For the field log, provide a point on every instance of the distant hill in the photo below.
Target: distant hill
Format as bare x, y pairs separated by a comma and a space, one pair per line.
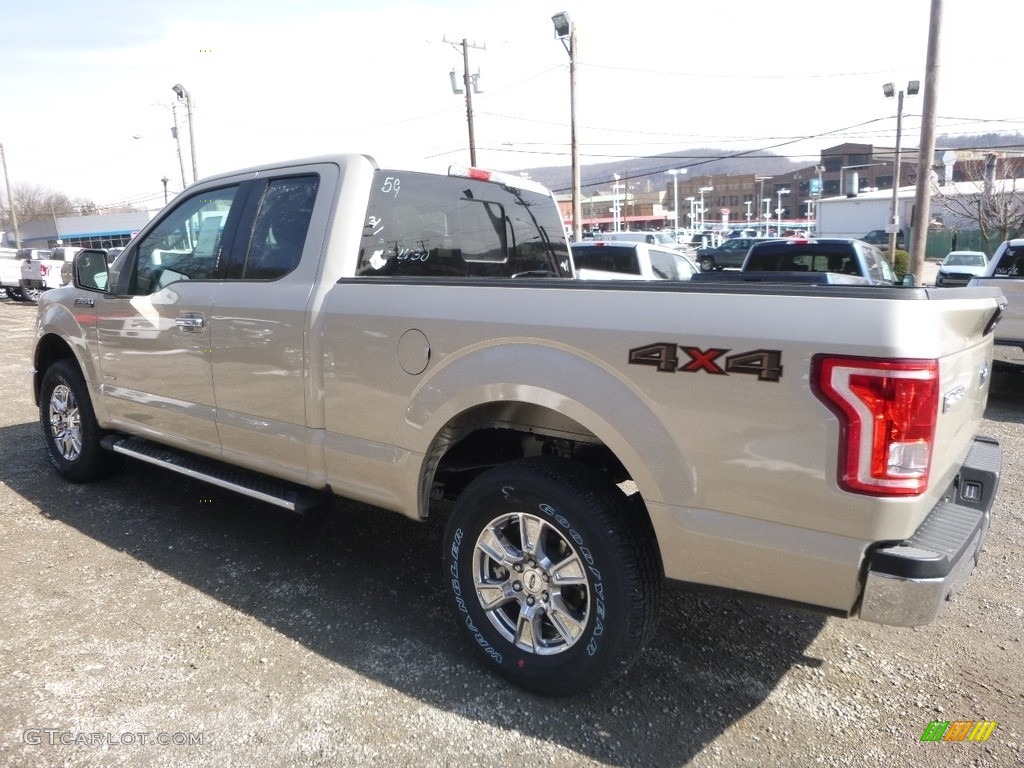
711, 162
1009, 141
698, 162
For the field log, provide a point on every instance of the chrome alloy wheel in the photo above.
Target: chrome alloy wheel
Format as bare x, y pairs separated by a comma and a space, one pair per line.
532, 583
65, 422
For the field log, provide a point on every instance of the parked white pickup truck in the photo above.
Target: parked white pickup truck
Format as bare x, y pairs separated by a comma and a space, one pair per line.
328, 327
45, 270
10, 273
1005, 271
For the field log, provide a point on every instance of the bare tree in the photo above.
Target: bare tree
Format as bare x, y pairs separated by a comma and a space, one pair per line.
35, 201
85, 207
996, 207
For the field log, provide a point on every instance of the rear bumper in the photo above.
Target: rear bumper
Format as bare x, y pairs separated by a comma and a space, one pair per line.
909, 582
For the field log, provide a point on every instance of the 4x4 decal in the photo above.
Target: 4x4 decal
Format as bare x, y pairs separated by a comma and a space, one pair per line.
766, 364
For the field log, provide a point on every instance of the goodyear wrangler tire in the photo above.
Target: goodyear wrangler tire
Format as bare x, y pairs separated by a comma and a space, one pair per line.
556, 579
70, 431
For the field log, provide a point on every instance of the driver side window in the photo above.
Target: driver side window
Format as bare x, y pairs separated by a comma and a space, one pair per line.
185, 245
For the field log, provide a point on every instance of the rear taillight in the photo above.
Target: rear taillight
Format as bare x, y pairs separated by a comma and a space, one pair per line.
887, 411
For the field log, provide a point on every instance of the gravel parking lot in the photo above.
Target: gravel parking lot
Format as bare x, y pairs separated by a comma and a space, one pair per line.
148, 620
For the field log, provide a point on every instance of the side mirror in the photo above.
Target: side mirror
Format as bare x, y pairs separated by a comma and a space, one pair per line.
908, 280
90, 271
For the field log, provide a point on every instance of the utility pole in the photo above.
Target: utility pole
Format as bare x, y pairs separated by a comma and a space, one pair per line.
470, 83
10, 201
177, 141
926, 151
183, 95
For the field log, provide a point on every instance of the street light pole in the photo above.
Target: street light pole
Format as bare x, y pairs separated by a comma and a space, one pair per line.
184, 95
762, 180
778, 211
894, 224
846, 168
702, 190
564, 28
674, 172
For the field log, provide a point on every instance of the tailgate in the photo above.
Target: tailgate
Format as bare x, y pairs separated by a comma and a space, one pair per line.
965, 367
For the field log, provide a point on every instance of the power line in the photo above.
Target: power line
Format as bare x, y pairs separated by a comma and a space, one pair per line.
745, 153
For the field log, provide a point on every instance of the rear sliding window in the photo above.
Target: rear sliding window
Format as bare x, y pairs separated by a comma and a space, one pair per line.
820, 257
425, 225
621, 259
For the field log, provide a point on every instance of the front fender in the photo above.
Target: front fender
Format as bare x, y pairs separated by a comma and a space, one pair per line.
66, 327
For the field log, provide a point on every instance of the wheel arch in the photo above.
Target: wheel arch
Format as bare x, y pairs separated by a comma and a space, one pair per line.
49, 349
59, 337
532, 392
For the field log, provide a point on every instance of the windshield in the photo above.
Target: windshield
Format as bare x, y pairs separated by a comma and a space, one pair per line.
964, 260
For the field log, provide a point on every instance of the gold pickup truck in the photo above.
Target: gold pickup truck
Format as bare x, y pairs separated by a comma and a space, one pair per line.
409, 339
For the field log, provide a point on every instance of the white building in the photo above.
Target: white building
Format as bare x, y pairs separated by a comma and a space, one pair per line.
856, 216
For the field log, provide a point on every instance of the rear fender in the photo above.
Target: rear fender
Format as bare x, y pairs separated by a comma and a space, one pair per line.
584, 392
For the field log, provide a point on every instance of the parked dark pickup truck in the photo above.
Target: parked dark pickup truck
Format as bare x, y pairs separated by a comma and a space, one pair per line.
839, 255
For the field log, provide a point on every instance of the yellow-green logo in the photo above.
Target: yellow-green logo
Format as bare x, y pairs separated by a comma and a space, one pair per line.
958, 730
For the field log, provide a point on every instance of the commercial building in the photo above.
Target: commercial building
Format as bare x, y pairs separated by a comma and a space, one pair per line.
109, 231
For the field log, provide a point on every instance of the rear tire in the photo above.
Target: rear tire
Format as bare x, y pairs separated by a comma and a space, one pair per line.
14, 294
30, 294
555, 577
70, 431
706, 264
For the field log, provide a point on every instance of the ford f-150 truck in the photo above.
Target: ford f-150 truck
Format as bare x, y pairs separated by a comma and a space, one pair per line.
408, 339
1005, 271
44, 270
10, 273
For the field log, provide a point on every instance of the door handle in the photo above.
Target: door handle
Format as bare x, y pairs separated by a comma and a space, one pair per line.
190, 323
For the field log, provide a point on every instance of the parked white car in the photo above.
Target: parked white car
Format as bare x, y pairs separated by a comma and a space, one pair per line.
1005, 271
960, 266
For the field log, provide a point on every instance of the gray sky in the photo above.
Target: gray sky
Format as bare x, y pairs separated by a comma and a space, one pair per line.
80, 81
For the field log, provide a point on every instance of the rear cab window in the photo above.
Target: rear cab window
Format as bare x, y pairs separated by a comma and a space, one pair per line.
426, 225
620, 259
803, 257
814, 256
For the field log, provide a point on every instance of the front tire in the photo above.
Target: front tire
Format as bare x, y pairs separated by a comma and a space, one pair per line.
70, 431
555, 577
